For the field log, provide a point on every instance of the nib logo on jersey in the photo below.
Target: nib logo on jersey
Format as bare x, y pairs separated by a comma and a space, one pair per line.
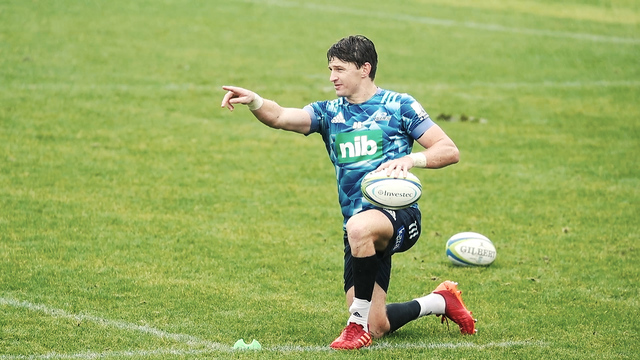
358, 146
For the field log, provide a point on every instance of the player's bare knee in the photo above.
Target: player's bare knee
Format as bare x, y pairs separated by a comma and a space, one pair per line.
360, 238
357, 231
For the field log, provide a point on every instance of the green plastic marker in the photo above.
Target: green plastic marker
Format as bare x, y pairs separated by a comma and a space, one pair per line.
241, 345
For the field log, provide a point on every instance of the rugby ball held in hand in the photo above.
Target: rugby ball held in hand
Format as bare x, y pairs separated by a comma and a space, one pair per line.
470, 249
389, 192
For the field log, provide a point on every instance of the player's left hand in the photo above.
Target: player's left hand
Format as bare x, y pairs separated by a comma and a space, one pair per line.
397, 167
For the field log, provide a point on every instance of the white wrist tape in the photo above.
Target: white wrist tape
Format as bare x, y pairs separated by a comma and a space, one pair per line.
419, 159
256, 103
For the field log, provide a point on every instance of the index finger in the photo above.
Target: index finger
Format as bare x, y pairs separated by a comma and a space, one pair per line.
229, 87
225, 100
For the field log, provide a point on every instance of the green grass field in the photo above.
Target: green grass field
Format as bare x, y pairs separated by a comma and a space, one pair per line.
140, 220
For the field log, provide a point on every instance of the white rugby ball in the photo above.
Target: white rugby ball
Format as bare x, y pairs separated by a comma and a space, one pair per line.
470, 249
389, 192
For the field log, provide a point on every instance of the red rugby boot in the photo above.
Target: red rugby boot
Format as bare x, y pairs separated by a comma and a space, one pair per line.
455, 309
352, 337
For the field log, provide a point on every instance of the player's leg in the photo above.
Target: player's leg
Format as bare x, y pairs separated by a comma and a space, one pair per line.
367, 233
378, 321
399, 314
384, 319
445, 300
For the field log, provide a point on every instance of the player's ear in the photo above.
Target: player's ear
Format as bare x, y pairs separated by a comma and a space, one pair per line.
365, 70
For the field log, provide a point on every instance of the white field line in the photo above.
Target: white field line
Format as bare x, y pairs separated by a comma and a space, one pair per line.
526, 85
553, 84
107, 354
69, 87
448, 23
279, 349
207, 347
406, 346
58, 313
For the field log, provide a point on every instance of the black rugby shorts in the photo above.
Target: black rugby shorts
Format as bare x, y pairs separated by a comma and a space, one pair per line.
406, 230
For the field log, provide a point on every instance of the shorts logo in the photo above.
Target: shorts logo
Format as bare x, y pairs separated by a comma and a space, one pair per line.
392, 213
358, 146
413, 230
399, 239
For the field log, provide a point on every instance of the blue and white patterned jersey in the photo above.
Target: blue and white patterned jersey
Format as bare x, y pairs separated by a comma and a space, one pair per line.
360, 137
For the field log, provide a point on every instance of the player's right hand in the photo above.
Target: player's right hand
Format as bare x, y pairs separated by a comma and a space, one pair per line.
236, 95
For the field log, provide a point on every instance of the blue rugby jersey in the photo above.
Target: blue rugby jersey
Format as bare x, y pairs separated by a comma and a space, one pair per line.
360, 137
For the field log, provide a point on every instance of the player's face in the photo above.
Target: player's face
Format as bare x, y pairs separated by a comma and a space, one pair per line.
346, 77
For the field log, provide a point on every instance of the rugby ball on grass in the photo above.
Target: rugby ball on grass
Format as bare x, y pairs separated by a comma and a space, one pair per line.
389, 192
470, 249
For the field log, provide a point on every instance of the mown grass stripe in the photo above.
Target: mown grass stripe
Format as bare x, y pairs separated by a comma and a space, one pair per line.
109, 354
214, 88
210, 347
278, 349
59, 313
451, 23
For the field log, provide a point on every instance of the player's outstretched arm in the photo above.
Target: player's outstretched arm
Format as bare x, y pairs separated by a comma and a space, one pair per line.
267, 111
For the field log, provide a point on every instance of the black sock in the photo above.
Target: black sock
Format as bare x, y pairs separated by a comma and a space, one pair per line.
402, 313
364, 276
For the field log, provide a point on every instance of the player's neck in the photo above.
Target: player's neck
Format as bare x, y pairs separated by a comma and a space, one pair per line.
365, 93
